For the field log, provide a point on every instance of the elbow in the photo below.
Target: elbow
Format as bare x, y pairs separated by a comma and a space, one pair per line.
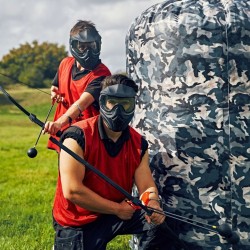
70, 194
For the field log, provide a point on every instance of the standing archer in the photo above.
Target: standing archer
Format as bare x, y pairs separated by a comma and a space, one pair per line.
88, 212
76, 86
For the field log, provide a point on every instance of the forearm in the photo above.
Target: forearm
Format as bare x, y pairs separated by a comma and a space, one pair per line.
76, 109
145, 184
88, 199
66, 119
70, 115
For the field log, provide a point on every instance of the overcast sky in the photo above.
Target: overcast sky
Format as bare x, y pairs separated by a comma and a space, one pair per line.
23, 21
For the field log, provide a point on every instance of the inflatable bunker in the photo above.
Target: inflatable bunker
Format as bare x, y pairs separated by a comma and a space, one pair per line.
191, 61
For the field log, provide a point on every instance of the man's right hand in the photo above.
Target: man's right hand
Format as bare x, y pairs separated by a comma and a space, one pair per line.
125, 212
55, 94
52, 127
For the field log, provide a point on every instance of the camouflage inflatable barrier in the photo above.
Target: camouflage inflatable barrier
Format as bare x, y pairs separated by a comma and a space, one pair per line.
191, 60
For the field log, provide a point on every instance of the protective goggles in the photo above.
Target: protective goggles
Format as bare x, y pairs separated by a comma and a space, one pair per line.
82, 47
108, 103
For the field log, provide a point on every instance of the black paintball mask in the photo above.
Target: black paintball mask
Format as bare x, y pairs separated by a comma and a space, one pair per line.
117, 106
85, 47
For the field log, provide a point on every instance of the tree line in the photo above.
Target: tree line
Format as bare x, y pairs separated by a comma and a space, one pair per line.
33, 64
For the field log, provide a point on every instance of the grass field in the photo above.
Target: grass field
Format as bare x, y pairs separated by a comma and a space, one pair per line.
27, 185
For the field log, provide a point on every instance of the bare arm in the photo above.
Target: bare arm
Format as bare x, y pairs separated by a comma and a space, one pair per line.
75, 109
73, 112
145, 183
72, 173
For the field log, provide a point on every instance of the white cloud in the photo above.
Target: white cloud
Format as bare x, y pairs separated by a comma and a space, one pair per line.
46, 20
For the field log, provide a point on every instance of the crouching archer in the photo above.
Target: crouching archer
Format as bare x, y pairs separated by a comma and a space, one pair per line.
87, 211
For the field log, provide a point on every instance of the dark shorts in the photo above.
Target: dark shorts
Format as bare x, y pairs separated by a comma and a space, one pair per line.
96, 235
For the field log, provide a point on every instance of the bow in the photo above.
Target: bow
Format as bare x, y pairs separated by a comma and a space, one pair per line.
223, 230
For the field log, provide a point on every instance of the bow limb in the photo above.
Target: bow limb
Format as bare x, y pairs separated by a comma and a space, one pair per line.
32, 117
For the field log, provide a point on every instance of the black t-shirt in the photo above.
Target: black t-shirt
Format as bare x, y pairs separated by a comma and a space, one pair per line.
113, 148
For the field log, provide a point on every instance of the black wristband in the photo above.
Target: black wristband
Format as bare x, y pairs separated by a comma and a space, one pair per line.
70, 119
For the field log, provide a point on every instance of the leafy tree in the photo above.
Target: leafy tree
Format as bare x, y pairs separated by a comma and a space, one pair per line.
33, 64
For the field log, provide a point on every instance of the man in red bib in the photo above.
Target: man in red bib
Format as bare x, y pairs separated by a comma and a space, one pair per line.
88, 212
76, 86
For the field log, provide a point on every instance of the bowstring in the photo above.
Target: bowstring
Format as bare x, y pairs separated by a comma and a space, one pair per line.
23, 83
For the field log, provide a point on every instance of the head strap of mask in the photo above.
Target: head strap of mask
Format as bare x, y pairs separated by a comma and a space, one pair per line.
117, 119
89, 58
119, 90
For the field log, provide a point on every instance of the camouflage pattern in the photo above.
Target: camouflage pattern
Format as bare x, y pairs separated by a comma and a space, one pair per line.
191, 60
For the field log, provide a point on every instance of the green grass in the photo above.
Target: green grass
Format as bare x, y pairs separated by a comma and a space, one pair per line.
27, 185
